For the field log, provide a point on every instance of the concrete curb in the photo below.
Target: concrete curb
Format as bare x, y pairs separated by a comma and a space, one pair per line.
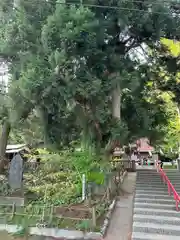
110, 211
53, 233
107, 218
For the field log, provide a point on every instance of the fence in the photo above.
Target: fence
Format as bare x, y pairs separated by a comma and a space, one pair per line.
127, 164
52, 216
170, 187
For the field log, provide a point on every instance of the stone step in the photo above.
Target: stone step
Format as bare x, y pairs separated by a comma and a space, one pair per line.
174, 178
152, 171
157, 219
154, 174
153, 196
173, 174
176, 187
159, 183
149, 176
144, 176
149, 188
175, 182
143, 180
150, 200
149, 184
152, 192
153, 228
156, 212
150, 236
156, 206
149, 180
143, 183
157, 186
175, 171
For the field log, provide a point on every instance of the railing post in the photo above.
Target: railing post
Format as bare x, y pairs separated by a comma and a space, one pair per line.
177, 205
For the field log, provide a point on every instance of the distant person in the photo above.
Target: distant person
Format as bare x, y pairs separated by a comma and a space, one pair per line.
134, 157
161, 164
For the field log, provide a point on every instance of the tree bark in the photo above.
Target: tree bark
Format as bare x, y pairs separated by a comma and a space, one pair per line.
116, 102
3, 143
116, 114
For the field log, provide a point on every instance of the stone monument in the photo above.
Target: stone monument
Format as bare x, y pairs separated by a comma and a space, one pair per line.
16, 172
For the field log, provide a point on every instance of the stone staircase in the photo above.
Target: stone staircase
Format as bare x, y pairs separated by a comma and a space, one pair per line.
155, 216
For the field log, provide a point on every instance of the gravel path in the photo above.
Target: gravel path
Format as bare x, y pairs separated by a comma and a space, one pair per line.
121, 222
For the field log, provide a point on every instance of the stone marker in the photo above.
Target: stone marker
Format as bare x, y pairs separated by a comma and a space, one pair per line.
16, 172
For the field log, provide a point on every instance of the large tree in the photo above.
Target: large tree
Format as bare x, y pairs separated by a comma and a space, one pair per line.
73, 64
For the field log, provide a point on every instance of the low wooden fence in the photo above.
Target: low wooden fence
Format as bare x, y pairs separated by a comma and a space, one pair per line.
128, 165
52, 216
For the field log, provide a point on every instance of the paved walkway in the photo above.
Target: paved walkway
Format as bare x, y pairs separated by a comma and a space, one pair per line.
121, 222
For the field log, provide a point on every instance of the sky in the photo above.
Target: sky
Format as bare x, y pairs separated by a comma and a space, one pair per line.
4, 76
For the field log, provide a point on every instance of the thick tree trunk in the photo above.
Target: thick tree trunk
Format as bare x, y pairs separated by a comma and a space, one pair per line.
3, 142
116, 114
4, 138
116, 102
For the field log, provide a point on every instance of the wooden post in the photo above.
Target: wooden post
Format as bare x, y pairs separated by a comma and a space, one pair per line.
108, 194
89, 197
51, 214
94, 216
13, 210
119, 176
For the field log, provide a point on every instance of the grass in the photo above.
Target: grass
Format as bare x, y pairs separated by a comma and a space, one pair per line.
170, 167
31, 218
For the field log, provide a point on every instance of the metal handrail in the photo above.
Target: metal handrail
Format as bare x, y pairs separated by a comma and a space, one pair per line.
171, 188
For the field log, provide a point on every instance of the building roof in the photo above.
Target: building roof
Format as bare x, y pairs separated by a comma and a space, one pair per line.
15, 148
144, 146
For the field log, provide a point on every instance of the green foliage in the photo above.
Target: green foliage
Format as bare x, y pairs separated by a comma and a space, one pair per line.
63, 172
96, 177
84, 225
